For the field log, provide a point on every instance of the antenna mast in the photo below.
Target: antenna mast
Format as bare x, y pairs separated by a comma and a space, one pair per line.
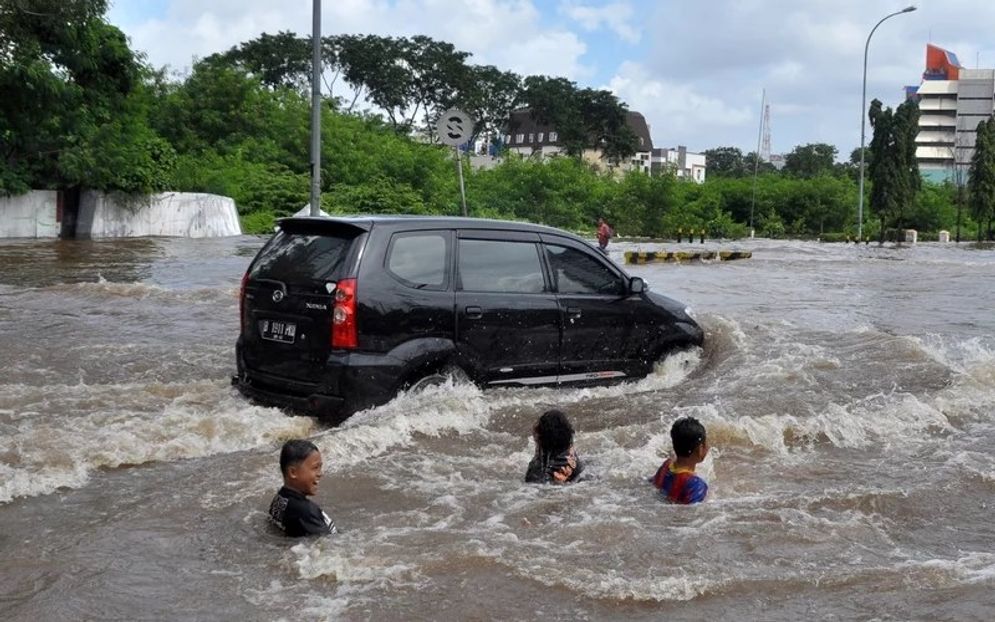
765, 145
756, 156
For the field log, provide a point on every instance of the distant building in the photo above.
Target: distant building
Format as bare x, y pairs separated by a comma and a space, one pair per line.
952, 101
686, 165
525, 136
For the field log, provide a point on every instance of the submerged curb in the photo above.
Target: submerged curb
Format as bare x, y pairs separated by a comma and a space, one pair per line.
639, 257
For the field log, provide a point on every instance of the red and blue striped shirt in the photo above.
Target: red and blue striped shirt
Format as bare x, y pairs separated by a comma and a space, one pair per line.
680, 485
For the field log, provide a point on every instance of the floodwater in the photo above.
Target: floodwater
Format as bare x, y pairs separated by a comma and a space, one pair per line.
848, 393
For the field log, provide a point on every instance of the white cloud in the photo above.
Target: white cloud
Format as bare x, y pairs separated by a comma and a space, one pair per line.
676, 112
700, 67
505, 33
615, 16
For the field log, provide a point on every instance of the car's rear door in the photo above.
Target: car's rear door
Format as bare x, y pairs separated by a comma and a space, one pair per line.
508, 319
288, 298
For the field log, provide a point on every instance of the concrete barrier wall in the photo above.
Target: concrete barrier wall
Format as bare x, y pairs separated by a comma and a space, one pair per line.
31, 215
170, 214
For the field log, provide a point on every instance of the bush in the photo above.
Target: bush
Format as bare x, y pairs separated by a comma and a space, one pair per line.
261, 221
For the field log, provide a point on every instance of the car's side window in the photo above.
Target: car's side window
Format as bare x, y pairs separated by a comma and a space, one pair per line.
575, 272
500, 266
419, 259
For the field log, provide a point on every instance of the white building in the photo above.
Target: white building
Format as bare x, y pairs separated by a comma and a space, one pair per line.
952, 101
686, 165
529, 138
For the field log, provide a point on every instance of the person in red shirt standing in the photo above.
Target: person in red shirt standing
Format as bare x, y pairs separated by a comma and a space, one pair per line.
604, 233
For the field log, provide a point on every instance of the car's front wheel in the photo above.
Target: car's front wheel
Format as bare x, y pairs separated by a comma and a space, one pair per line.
448, 374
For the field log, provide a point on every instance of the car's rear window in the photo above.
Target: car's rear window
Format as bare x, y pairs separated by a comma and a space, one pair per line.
300, 258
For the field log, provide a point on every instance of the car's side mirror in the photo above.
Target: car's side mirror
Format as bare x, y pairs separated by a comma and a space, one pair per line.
637, 285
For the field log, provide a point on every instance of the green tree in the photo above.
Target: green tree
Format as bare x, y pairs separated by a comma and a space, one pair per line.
494, 95
750, 162
725, 162
70, 87
284, 60
810, 160
583, 118
280, 60
440, 77
894, 172
981, 180
407, 78
855, 156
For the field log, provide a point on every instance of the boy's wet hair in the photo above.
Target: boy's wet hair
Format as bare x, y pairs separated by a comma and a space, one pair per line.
686, 434
294, 452
555, 432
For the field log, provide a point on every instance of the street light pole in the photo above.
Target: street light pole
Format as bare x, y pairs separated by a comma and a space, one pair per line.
863, 120
315, 109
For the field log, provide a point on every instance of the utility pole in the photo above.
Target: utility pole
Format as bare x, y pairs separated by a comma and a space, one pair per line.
316, 109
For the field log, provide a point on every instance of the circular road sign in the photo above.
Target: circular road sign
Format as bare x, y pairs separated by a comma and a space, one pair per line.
455, 127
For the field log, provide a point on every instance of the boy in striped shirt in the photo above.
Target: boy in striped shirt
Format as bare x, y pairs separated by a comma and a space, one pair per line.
675, 479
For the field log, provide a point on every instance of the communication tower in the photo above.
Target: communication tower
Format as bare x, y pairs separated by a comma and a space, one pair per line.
765, 143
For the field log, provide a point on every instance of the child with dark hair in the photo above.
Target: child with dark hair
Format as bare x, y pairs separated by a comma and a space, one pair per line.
555, 461
676, 478
291, 510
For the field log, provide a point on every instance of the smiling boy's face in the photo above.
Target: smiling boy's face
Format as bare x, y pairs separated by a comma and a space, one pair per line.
304, 477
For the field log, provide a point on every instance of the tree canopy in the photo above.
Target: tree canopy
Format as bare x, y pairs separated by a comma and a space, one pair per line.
810, 160
981, 179
584, 118
74, 102
725, 162
894, 172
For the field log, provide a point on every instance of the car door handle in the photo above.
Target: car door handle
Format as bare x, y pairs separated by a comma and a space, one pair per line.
474, 313
573, 312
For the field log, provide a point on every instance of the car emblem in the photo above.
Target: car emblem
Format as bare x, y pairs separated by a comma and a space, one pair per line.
277, 295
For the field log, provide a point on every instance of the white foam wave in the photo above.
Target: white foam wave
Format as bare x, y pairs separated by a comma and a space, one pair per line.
462, 408
43, 454
981, 465
894, 418
971, 568
667, 373
448, 408
614, 585
309, 605
139, 290
973, 358
335, 559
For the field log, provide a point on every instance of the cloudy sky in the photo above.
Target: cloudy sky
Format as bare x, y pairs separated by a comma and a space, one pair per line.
694, 68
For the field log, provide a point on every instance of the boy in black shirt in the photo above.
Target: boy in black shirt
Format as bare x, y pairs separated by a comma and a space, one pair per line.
291, 510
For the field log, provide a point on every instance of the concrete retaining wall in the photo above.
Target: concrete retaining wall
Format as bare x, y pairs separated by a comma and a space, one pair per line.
640, 257
171, 214
31, 215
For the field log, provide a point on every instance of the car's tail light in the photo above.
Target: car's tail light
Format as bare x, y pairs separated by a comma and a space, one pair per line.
241, 300
344, 333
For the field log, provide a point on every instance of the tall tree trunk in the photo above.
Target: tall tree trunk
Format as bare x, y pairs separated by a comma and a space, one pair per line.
354, 98
960, 205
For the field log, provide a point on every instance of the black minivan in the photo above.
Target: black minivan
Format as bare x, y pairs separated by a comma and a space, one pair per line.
339, 314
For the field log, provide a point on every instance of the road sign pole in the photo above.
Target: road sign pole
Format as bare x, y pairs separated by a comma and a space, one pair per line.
455, 128
459, 168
